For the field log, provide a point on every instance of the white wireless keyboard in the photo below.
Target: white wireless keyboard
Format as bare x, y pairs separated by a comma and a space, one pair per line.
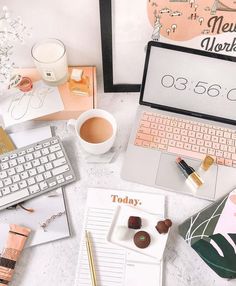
32, 170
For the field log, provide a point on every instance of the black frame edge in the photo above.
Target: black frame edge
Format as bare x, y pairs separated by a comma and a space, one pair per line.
107, 61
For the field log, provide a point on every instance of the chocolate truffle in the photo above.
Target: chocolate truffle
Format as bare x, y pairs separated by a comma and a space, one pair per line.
134, 222
142, 239
168, 222
161, 227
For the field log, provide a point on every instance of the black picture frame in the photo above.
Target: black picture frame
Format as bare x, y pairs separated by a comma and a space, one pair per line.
107, 55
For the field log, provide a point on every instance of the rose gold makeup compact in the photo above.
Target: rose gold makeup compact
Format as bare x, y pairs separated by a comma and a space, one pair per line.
187, 109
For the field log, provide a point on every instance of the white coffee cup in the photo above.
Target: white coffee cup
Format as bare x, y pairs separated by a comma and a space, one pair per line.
94, 148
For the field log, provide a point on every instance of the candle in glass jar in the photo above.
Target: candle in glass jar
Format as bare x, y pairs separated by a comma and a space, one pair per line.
50, 59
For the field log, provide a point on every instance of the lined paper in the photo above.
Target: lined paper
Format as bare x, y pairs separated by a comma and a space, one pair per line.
108, 260
114, 265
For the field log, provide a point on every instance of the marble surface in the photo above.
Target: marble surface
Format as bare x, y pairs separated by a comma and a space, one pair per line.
54, 264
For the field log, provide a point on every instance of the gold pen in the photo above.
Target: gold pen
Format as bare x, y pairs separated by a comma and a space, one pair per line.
90, 259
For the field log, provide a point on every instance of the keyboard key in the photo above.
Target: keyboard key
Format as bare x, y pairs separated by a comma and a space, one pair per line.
154, 132
34, 189
14, 197
44, 160
59, 162
54, 141
40, 169
19, 169
13, 163
157, 139
144, 123
177, 137
6, 191
47, 175
60, 170
7, 181
29, 157
187, 146
15, 178
195, 148
43, 186
220, 161
14, 188
61, 181
37, 154
59, 154
222, 140
153, 126
162, 146
164, 141
228, 163
51, 157
141, 136
55, 148
144, 130
24, 175
69, 177
28, 166
153, 145
184, 132
32, 172
13, 156
219, 133
211, 151
145, 144
179, 144
52, 184
36, 163
199, 135
22, 184
45, 151
39, 178
169, 135
48, 166
219, 153
3, 174
11, 172
4, 166
176, 130
38, 146
46, 144
208, 144
31, 181
203, 149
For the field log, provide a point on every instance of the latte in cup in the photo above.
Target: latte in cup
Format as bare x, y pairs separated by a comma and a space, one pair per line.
96, 130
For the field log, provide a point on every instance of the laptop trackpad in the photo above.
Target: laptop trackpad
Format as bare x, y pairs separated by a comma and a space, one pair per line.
170, 177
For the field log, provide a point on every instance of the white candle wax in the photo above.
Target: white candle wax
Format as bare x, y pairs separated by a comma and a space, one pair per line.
50, 59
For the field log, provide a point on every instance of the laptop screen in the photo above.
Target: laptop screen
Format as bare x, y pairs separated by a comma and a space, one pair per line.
190, 81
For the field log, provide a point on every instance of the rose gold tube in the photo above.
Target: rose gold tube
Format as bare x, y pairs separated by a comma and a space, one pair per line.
16, 239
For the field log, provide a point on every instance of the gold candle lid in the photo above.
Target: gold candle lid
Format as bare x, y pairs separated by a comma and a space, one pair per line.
207, 162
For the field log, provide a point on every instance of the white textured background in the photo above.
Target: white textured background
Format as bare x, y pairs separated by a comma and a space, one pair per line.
76, 23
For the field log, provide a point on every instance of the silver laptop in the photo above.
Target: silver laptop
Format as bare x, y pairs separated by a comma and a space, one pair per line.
188, 110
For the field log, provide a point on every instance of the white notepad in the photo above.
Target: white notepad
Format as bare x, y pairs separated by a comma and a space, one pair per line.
115, 265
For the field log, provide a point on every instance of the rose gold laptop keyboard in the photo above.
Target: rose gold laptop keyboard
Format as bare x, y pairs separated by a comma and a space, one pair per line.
188, 138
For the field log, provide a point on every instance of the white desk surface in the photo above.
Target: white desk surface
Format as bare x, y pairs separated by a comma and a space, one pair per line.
54, 264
